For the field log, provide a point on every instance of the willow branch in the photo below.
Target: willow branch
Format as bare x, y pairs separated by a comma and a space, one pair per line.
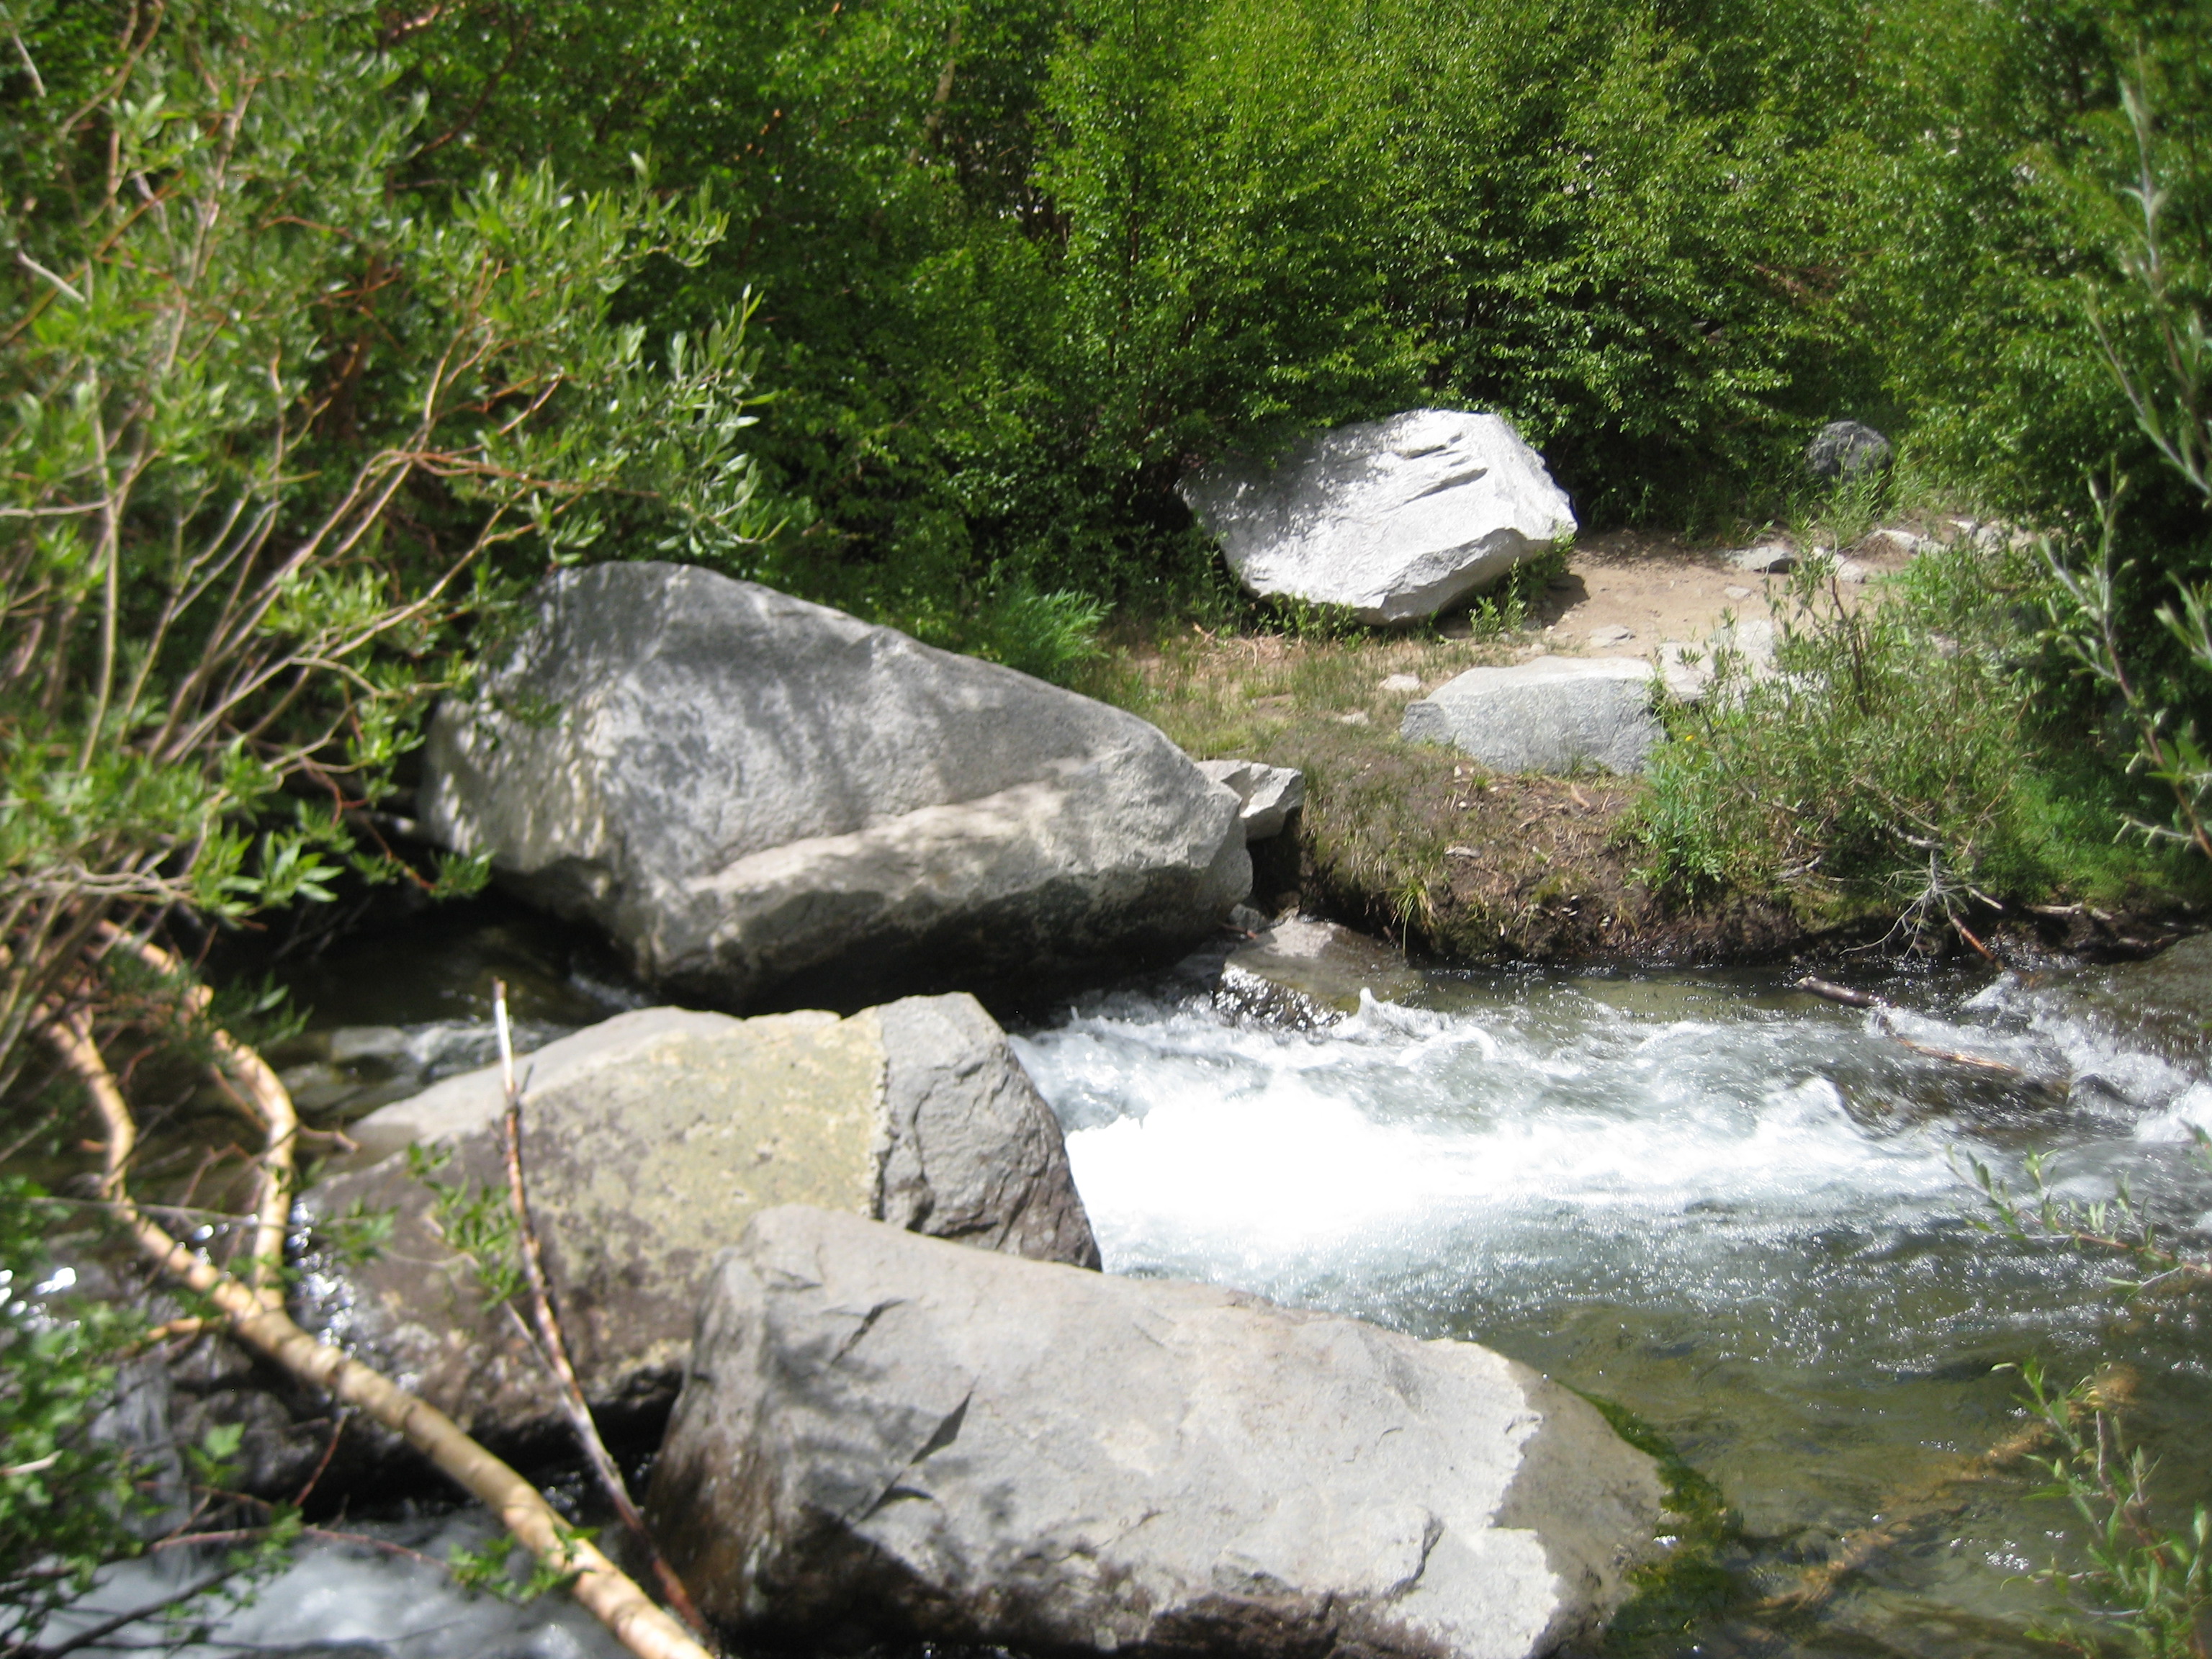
604, 1588
265, 1099
552, 1343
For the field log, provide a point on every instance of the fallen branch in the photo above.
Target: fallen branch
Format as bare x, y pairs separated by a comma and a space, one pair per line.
552, 1343
1904, 1512
1829, 991
266, 1100
597, 1582
1882, 1008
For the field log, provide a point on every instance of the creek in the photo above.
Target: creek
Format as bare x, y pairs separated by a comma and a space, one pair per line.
1741, 1213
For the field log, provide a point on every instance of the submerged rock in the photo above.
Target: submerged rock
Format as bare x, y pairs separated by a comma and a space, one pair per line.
1393, 519
2163, 1003
757, 796
1306, 973
881, 1435
1549, 715
649, 1141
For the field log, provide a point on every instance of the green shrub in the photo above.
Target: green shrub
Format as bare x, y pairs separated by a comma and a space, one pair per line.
1900, 759
282, 437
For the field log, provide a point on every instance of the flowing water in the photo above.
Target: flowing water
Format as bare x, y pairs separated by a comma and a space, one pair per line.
1737, 1211
1740, 1212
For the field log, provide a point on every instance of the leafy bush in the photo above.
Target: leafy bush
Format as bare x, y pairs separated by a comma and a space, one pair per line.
281, 434
1895, 759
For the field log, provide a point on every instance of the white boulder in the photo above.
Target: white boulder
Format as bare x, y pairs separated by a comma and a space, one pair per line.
1393, 519
1270, 794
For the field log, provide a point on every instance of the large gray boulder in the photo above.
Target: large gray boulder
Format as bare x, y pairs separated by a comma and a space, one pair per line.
882, 1436
1393, 519
1549, 715
759, 797
648, 1142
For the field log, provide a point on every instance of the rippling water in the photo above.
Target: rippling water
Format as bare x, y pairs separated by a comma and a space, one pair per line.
1738, 1210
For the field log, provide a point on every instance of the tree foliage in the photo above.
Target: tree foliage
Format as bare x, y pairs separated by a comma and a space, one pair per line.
278, 431
1023, 262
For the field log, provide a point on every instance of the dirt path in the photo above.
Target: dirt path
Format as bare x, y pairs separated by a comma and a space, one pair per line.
1658, 587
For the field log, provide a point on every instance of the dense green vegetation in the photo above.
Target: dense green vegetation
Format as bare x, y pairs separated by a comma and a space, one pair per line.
1019, 263
325, 328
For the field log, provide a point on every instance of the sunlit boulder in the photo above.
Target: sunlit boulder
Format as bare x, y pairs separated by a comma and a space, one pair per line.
1393, 519
1549, 715
882, 1438
648, 1142
763, 799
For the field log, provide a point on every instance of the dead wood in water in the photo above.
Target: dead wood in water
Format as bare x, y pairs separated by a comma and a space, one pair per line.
255, 1315
1882, 1008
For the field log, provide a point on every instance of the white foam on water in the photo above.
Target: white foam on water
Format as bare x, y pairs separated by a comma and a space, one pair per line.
1401, 1135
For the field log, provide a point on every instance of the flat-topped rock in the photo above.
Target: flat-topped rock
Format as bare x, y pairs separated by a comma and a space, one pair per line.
759, 798
882, 1438
1393, 519
1547, 715
648, 1142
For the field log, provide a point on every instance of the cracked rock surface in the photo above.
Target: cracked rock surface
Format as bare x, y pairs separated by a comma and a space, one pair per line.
648, 1142
882, 1436
766, 802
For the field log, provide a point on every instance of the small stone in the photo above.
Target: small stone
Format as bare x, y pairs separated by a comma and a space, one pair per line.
1611, 634
1736, 591
1402, 683
1894, 544
1685, 670
1771, 560
1270, 794
1357, 717
1851, 570
1305, 975
1550, 715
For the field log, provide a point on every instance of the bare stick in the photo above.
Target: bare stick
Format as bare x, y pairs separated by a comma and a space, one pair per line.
266, 1100
603, 1588
1956, 1057
1883, 1008
1829, 991
552, 1344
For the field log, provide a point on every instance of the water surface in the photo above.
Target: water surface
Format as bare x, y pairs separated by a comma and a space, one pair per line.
1740, 1212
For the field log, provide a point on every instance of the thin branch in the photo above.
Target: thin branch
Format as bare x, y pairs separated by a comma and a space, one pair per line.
552, 1343
603, 1588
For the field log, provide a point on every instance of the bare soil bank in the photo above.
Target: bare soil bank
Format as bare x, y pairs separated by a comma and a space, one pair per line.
1419, 843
